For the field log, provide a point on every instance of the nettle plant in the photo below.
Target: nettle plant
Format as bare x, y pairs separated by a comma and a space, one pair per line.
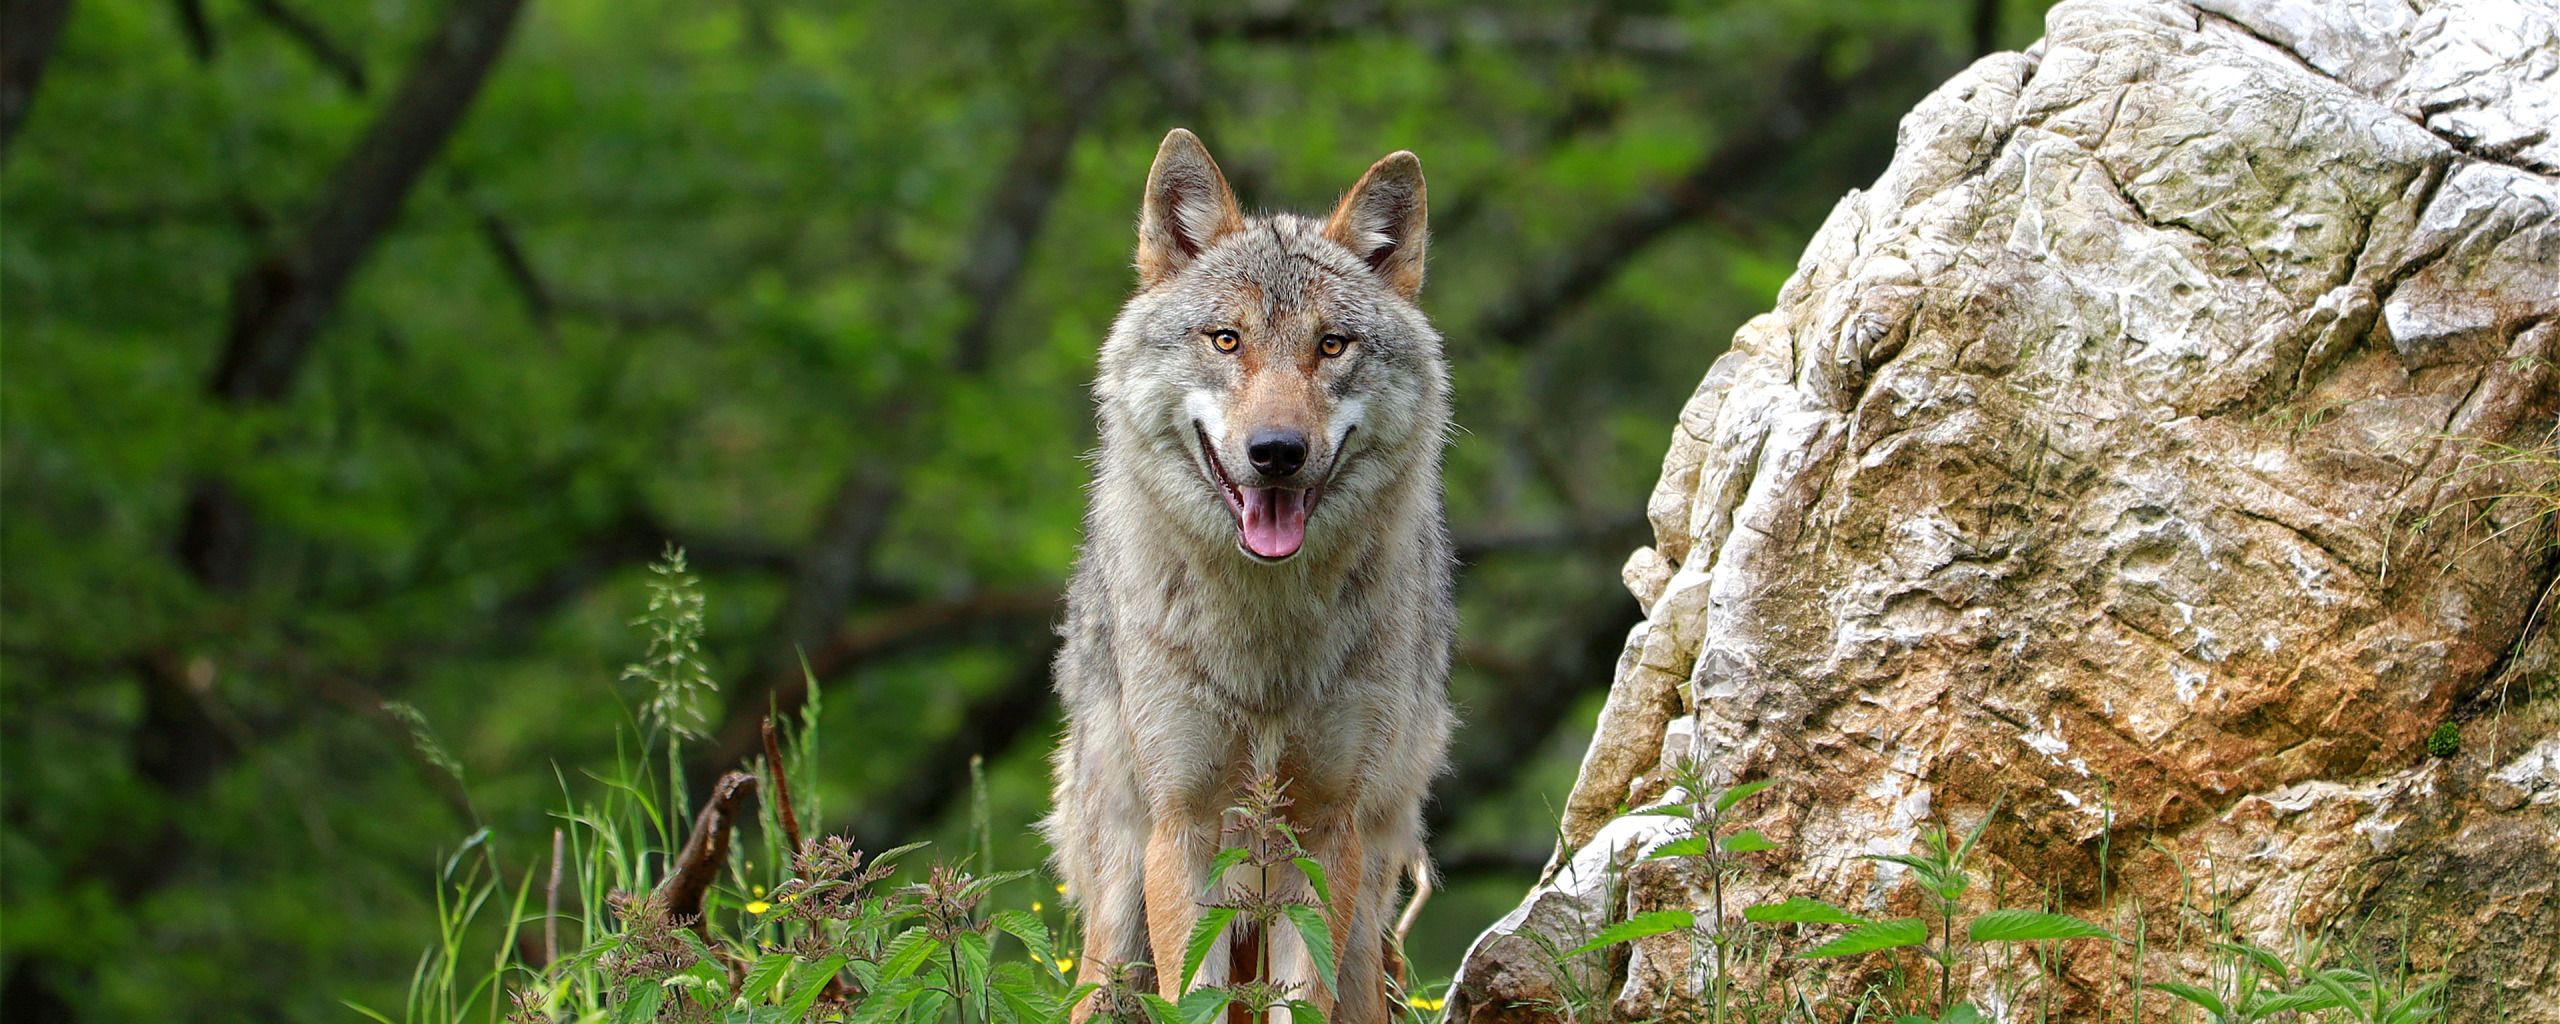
643, 919
1269, 845
1940, 868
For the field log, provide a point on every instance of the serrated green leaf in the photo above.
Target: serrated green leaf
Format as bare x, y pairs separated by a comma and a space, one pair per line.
1961, 1013
1738, 794
1203, 1005
1304, 1012
974, 953
639, 1003
763, 976
810, 985
1026, 926
1218, 866
1693, 846
1800, 910
1868, 938
2200, 996
1637, 927
1204, 934
909, 957
1318, 937
2031, 926
1746, 841
1158, 1010
1315, 879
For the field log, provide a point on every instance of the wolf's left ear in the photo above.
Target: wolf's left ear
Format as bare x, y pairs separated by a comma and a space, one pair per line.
1383, 221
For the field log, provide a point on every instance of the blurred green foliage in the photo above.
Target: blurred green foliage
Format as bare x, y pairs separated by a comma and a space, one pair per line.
812, 289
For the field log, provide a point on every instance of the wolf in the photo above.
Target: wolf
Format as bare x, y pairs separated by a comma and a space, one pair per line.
1264, 584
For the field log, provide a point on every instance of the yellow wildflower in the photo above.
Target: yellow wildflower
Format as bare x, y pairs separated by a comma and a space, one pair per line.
759, 890
1035, 906
1420, 1003
758, 907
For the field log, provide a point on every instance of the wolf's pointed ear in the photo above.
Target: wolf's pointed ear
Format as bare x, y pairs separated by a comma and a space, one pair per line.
1383, 221
1187, 209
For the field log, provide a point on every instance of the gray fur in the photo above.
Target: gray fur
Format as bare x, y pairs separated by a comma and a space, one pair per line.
1189, 663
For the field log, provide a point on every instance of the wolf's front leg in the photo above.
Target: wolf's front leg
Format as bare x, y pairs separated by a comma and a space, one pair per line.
1178, 855
1359, 956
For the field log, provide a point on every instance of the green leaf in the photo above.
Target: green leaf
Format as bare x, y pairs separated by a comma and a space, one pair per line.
1315, 879
2201, 997
1932, 874
1868, 938
1204, 934
1738, 794
2267, 961
1801, 911
1746, 841
1319, 939
1028, 927
908, 952
761, 978
2032, 926
1158, 1010
639, 1003
815, 984
1637, 927
1226, 858
1304, 1012
973, 960
1693, 846
1203, 1005
1961, 1013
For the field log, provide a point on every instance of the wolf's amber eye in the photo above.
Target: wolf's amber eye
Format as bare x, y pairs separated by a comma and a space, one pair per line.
1225, 339
1333, 345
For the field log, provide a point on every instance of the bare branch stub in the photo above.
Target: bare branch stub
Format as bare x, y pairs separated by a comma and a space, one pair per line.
704, 850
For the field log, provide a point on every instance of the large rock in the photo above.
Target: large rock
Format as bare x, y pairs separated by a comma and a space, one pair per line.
2126, 458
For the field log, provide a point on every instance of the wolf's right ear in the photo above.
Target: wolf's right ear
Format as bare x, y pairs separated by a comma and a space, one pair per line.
1188, 208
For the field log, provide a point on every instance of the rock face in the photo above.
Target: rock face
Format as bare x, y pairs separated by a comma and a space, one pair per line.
2127, 458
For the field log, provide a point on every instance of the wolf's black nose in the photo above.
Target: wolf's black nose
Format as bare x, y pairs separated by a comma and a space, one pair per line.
1276, 452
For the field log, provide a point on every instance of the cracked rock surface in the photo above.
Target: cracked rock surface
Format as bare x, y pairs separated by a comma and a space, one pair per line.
2158, 452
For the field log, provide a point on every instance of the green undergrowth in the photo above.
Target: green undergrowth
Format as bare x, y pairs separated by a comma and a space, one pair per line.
647, 909
1788, 961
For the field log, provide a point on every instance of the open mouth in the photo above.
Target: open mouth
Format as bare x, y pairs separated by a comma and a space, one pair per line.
1271, 522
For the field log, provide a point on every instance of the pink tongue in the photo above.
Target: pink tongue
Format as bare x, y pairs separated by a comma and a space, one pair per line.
1275, 521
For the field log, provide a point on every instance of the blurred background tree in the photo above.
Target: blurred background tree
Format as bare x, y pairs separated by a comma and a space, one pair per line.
367, 352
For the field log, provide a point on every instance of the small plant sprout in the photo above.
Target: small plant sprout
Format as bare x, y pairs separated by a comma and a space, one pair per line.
1940, 869
1269, 844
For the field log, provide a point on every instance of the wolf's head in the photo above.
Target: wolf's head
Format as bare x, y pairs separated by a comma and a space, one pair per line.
1271, 367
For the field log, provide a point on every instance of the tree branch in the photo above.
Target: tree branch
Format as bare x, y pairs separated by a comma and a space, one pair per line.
324, 51
34, 27
1020, 204
279, 302
704, 850
1764, 140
